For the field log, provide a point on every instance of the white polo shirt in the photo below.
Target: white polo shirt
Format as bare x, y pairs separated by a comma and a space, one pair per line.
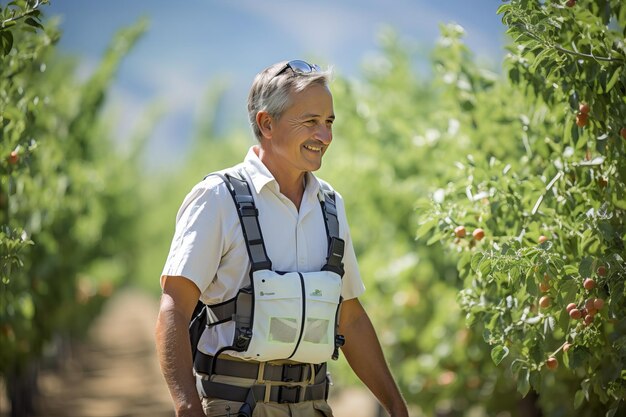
208, 247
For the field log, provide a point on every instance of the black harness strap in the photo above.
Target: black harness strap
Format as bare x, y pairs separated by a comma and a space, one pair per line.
249, 219
335, 244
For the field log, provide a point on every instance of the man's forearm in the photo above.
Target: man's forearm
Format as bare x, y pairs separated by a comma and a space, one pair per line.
365, 356
174, 352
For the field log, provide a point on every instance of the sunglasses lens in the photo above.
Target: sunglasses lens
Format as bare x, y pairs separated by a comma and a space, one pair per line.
302, 67
299, 67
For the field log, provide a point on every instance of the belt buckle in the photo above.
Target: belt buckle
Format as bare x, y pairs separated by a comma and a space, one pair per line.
293, 373
289, 394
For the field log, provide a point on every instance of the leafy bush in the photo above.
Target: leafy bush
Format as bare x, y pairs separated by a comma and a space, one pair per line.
553, 212
67, 210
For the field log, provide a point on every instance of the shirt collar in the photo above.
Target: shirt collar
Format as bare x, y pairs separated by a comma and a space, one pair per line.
261, 176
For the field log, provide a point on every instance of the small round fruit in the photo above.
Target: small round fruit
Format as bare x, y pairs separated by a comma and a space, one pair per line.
567, 347
544, 302
570, 3
589, 303
570, 307
13, 158
478, 234
552, 363
601, 271
622, 132
598, 303
542, 239
582, 119
588, 319
592, 311
459, 231
543, 287
583, 108
575, 313
589, 284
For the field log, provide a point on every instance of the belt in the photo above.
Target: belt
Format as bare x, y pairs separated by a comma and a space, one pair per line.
264, 393
298, 372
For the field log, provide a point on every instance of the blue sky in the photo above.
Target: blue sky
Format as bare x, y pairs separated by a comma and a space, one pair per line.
191, 45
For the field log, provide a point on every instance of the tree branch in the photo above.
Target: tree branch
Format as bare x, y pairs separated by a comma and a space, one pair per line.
23, 14
567, 51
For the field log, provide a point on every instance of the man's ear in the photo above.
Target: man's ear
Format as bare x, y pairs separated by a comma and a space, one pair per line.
265, 122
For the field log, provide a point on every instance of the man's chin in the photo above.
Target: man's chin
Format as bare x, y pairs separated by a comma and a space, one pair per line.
315, 167
313, 164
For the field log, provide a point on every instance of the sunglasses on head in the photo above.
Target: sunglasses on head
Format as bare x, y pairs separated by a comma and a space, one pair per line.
299, 67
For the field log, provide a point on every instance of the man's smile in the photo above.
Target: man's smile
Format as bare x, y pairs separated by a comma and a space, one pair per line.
313, 148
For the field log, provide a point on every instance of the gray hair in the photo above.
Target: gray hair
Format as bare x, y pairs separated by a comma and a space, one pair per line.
271, 92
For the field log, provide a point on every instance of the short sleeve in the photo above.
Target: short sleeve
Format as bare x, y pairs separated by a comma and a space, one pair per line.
199, 240
352, 286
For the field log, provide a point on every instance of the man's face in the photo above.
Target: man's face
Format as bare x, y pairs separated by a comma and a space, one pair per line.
304, 131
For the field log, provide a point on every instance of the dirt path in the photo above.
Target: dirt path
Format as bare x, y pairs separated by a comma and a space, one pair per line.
116, 373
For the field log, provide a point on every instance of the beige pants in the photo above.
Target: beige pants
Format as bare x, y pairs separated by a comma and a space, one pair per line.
221, 408
214, 407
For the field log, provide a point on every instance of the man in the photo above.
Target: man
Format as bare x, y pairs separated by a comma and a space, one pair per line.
291, 112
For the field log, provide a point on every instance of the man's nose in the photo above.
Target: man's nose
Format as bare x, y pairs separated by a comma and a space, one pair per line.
324, 134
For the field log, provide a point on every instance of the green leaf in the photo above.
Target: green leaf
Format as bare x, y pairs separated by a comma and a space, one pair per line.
535, 380
585, 387
476, 259
436, 237
548, 325
579, 397
463, 266
487, 336
498, 353
523, 383
485, 266
539, 58
568, 290
517, 366
425, 228
6, 37
577, 357
32, 22
611, 83
570, 269
586, 267
537, 351
503, 8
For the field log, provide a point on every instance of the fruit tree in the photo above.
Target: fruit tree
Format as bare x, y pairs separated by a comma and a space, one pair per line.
553, 210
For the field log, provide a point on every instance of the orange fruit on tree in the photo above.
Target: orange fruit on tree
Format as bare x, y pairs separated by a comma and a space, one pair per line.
478, 234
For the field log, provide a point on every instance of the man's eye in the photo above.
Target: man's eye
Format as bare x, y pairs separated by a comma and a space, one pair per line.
309, 122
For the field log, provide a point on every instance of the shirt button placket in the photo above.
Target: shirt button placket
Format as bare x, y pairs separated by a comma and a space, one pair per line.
300, 247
